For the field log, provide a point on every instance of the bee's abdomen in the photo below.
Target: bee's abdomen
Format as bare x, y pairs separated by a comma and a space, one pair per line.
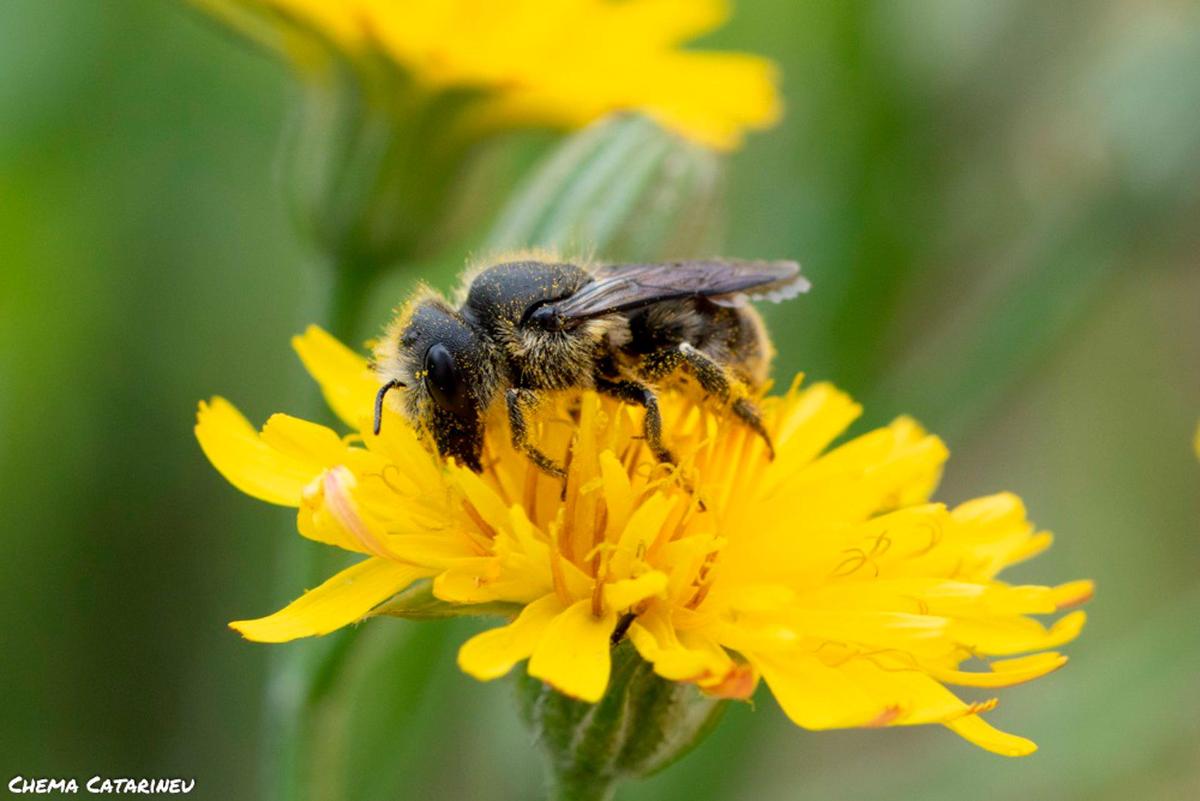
664, 325
733, 336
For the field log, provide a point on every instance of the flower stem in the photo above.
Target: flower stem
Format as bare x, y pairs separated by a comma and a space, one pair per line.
581, 787
303, 675
348, 299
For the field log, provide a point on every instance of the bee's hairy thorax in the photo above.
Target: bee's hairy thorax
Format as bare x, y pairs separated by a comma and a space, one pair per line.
497, 302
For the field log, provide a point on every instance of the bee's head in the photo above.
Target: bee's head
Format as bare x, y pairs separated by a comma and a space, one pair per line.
446, 374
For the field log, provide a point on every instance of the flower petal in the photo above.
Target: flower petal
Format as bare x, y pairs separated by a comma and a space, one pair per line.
809, 420
574, 655
975, 729
641, 530
345, 380
1015, 635
343, 599
872, 689
620, 595
931, 595
262, 466
333, 515
485, 501
302, 440
1074, 593
486, 578
814, 695
658, 643
618, 494
1004, 673
911, 696
877, 472
739, 683
493, 653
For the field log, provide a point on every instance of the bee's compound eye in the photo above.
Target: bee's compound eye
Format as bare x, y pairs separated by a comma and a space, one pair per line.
445, 381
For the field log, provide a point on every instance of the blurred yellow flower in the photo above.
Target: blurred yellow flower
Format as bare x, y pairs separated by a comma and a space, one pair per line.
827, 572
559, 63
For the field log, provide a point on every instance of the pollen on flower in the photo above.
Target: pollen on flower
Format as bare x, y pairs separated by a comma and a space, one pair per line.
827, 572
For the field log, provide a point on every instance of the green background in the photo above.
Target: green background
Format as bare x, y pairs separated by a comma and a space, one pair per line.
997, 201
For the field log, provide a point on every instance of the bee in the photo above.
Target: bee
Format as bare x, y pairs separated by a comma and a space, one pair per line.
530, 326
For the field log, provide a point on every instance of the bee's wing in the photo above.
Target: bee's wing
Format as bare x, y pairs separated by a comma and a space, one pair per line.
622, 287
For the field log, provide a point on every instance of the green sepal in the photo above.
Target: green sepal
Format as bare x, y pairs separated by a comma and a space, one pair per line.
642, 724
623, 188
419, 603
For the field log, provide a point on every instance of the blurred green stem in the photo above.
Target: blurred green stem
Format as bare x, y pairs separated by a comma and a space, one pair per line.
581, 787
347, 300
373, 166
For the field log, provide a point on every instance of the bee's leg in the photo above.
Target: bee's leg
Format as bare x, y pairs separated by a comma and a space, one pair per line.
749, 414
642, 395
518, 401
716, 381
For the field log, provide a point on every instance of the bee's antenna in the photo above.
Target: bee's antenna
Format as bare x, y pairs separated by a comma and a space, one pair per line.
383, 391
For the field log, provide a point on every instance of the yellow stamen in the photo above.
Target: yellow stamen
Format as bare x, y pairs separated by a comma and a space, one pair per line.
485, 528
556, 567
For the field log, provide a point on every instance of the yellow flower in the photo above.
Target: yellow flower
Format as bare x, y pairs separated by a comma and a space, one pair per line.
559, 63
826, 571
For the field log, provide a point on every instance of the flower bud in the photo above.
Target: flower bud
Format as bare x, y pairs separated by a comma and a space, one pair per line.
371, 150
623, 188
641, 725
